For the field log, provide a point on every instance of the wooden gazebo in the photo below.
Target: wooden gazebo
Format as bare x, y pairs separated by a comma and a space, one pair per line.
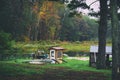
56, 54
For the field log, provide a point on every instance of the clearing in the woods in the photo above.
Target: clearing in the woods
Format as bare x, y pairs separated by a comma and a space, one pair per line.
74, 69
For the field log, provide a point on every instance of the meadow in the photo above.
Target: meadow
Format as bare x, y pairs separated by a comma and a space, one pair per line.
31, 47
17, 69
72, 70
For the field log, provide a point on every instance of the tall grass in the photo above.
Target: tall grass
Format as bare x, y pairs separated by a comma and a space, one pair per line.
45, 45
73, 48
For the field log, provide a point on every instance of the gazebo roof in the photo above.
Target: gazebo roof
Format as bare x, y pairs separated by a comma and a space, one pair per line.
94, 49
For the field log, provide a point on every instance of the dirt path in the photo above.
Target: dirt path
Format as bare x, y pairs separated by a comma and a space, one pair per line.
79, 58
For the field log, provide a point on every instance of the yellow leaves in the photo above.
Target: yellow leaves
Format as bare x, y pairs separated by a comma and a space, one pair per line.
49, 10
47, 6
49, 18
25, 38
56, 16
42, 15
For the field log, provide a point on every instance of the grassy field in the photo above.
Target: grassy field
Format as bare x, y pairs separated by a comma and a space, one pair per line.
71, 48
72, 70
29, 47
45, 45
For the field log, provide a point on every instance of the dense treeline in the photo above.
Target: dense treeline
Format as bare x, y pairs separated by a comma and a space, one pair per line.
32, 20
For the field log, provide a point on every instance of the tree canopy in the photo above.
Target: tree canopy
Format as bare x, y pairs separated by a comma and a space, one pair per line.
28, 20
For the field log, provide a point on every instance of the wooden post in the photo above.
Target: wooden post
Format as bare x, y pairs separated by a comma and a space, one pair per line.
90, 60
107, 60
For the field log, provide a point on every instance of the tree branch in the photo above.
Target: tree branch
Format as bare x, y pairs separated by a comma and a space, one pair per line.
93, 2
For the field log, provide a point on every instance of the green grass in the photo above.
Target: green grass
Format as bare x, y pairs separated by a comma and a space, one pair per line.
45, 45
18, 68
76, 47
79, 65
13, 68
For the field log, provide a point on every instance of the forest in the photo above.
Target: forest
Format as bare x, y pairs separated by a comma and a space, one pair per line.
34, 20
27, 26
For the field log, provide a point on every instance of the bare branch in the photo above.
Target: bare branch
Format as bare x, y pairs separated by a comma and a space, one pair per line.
93, 2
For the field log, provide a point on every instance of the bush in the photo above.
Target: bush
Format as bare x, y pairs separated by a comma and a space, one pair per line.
5, 43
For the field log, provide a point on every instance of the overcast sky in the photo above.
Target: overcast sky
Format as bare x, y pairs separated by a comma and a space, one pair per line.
95, 6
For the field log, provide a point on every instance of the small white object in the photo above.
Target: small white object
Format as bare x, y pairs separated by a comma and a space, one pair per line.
118, 69
52, 56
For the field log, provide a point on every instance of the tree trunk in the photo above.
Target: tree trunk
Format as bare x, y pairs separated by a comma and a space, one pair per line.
115, 42
36, 33
102, 35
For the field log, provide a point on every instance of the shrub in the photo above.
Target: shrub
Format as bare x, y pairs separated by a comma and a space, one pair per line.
5, 44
